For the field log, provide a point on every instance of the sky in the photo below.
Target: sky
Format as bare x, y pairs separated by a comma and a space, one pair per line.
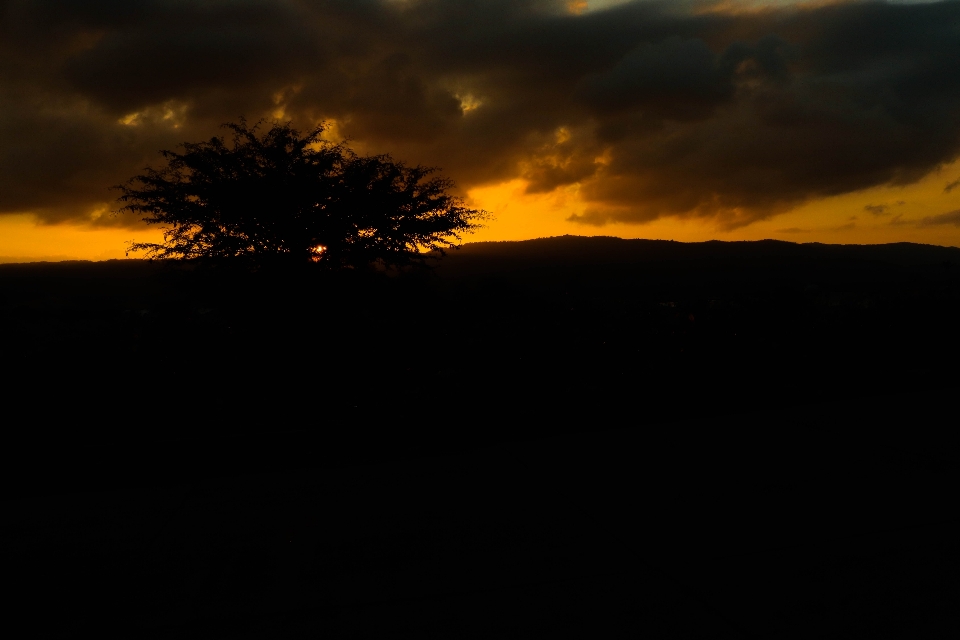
825, 121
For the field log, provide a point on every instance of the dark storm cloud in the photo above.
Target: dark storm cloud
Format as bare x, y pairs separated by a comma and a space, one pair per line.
949, 218
654, 108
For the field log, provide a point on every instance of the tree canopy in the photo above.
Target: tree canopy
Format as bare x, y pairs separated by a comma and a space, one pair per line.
284, 196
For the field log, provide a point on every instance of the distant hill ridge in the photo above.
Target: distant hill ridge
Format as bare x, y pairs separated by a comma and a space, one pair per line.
572, 250
612, 250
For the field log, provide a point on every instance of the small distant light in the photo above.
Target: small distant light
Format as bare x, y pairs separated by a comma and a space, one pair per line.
318, 252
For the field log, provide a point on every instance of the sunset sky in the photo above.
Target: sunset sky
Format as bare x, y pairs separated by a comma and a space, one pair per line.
831, 121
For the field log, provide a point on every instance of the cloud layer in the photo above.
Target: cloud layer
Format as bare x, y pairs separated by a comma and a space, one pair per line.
655, 109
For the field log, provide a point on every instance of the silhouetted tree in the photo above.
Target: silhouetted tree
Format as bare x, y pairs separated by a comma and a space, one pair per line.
281, 196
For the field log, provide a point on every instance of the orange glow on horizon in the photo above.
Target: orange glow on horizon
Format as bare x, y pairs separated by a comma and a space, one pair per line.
22, 239
872, 216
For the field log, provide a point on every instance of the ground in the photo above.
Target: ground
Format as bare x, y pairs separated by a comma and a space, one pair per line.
542, 437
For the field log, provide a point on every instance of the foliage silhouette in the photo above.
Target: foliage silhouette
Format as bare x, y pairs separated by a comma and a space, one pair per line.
286, 197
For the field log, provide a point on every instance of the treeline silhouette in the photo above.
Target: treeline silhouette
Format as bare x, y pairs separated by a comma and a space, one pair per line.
500, 340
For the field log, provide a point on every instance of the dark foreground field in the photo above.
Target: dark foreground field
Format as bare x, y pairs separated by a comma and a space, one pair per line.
595, 436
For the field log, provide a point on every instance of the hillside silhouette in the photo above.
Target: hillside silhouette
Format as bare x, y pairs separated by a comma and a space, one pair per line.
499, 338
586, 435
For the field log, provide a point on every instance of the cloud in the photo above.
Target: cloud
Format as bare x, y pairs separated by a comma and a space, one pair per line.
681, 108
594, 217
951, 186
949, 218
